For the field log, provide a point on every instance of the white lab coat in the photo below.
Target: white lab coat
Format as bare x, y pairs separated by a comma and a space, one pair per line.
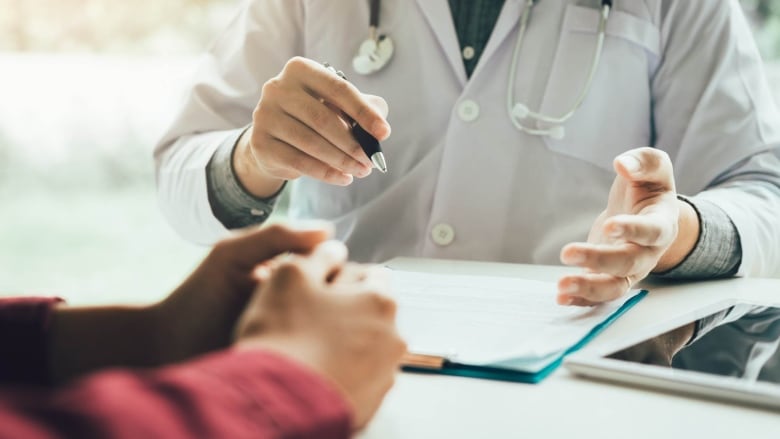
681, 75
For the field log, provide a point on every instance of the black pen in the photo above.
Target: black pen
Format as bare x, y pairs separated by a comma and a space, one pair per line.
368, 142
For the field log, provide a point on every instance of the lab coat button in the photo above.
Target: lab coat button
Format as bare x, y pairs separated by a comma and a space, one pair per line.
443, 234
468, 110
468, 53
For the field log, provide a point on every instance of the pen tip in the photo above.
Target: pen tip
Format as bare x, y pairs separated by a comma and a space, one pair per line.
378, 159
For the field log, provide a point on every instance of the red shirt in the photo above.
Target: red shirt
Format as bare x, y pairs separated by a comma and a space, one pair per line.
229, 394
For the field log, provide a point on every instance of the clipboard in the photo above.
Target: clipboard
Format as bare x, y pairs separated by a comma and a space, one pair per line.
433, 364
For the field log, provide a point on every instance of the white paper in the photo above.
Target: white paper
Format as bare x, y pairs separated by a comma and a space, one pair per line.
484, 320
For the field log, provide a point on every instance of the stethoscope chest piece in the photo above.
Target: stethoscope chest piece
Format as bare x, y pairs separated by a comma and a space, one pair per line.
373, 55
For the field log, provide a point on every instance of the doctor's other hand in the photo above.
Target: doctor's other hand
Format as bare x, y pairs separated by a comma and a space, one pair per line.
644, 229
201, 314
332, 317
299, 129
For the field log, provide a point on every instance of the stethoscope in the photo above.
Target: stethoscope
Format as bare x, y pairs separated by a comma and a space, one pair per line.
375, 53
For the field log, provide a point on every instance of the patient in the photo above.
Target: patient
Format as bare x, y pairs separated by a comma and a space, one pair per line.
252, 344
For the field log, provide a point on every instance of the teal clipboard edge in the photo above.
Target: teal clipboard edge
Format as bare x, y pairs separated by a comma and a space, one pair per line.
503, 374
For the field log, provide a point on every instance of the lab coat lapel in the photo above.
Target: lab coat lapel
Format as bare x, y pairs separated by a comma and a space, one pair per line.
439, 17
507, 21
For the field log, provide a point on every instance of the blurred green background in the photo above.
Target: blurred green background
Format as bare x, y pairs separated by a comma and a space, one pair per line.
86, 88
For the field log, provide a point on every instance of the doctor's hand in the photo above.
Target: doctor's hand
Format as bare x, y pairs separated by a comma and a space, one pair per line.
299, 129
199, 316
332, 317
644, 228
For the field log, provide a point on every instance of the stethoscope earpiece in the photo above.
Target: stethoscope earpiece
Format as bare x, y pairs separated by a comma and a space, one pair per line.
557, 132
520, 111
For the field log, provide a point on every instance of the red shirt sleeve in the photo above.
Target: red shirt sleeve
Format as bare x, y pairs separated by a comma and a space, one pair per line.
24, 325
250, 394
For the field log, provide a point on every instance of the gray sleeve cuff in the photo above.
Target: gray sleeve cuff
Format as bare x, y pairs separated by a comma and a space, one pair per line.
230, 202
718, 251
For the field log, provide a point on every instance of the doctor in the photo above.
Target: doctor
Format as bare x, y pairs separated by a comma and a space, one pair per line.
516, 128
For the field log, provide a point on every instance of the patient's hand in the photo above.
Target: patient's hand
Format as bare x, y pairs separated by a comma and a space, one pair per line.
332, 317
201, 314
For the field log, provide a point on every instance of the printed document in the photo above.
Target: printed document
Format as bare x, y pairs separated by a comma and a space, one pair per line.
485, 320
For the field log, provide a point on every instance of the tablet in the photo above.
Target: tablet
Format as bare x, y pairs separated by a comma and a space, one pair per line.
732, 355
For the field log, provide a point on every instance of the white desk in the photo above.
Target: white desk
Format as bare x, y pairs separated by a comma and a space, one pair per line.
563, 406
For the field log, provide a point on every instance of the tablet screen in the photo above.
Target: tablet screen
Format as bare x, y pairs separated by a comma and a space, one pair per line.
741, 342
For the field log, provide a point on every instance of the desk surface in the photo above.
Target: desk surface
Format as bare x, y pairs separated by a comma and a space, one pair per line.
432, 406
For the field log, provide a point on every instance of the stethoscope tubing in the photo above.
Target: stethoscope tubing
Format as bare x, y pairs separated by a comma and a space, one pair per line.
552, 120
373, 20
517, 111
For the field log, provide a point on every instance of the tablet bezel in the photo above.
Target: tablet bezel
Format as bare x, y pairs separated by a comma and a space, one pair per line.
596, 365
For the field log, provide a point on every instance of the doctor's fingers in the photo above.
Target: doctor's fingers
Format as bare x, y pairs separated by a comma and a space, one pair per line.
647, 167
325, 121
292, 132
324, 84
650, 230
285, 161
591, 288
624, 259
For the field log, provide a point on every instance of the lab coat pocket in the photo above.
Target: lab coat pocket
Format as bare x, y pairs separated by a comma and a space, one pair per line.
616, 114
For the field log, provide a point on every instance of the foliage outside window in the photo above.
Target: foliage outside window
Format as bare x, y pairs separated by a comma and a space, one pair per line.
765, 16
